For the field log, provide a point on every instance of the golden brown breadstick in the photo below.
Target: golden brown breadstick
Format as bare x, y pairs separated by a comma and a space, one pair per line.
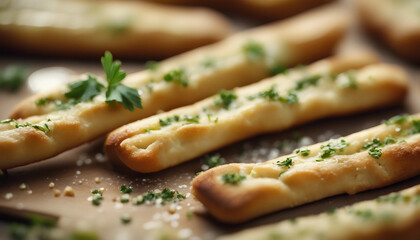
87, 28
368, 159
396, 23
389, 217
242, 59
336, 86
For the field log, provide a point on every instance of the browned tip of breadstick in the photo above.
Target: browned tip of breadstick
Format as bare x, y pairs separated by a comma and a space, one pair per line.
119, 153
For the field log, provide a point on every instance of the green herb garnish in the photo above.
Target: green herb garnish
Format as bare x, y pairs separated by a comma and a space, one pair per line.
332, 148
192, 119
167, 195
375, 152
303, 152
225, 98
286, 163
307, 82
116, 91
272, 95
125, 219
177, 76
350, 80
397, 120
254, 50
12, 77
168, 121
81, 91
126, 189
44, 128
152, 65
233, 178
212, 161
278, 69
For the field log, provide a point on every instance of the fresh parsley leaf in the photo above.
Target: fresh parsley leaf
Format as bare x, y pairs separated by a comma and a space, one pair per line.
233, 178
112, 69
116, 91
286, 163
84, 90
178, 76
12, 77
127, 96
254, 50
225, 98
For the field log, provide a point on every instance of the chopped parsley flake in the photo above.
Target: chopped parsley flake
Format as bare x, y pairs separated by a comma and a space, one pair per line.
348, 80
212, 161
278, 69
303, 152
208, 63
192, 119
286, 163
152, 65
97, 198
168, 121
397, 120
233, 178
332, 148
167, 195
225, 98
44, 128
177, 76
126, 189
125, 218
416, 127
376, 144
307, 82
272, 95
375, 152
254, 50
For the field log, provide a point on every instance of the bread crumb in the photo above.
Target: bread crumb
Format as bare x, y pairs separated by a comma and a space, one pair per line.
97, 180
68, 191
57, 193
22, 186
172, 209
51, 185
8, 196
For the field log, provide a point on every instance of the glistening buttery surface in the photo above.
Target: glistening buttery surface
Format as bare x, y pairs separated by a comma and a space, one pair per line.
73, 168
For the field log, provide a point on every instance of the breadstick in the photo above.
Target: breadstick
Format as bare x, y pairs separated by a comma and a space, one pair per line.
368, 159
274, 9
328, 88
87, 28
261, 10
389, 217
242, 59
396, 23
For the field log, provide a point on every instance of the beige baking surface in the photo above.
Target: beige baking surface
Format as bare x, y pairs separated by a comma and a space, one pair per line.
79, 212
